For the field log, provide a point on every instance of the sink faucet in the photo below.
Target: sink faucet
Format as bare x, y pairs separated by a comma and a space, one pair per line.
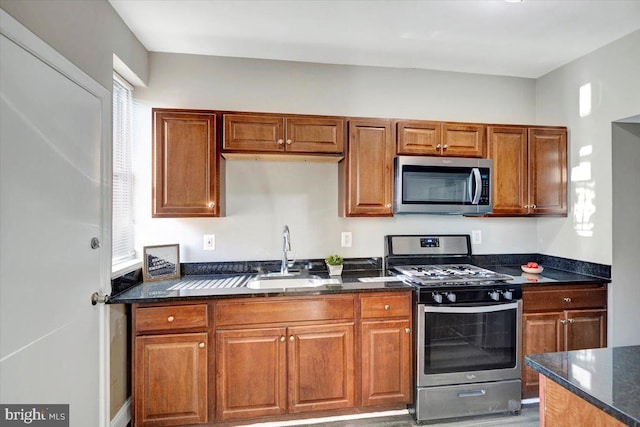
286, 246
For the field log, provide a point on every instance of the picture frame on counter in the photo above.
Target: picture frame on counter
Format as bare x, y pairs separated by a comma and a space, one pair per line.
161, 262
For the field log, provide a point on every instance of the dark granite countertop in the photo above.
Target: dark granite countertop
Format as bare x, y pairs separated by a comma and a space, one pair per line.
608, 378
549, 276
197, 277
190, 287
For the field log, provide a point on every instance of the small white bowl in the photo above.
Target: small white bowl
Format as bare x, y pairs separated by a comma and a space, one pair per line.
532, 270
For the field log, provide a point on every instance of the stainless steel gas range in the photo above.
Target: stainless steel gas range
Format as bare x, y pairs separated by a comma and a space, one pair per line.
468, 328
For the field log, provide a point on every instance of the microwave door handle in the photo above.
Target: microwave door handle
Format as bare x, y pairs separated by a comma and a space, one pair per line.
478, 189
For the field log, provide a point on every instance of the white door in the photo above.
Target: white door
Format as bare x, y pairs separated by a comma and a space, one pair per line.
54, 198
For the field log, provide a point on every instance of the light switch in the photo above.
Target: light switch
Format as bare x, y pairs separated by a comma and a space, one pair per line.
209, 242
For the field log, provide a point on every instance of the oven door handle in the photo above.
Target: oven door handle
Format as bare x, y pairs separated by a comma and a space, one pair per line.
478, 309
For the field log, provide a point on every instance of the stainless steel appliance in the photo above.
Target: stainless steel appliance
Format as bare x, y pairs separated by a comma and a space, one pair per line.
442, 185
468, 328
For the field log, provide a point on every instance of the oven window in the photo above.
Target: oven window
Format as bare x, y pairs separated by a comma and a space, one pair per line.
459, 342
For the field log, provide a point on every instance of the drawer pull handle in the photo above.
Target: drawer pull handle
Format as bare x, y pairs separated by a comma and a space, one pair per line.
291, 338
282, 339
472, 393
201, 345
170, 319
407, 330
387, 307
567, 299
564, 322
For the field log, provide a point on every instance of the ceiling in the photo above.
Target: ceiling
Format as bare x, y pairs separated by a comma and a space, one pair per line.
524, 39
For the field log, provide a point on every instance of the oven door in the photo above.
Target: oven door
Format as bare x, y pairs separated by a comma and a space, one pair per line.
458, 345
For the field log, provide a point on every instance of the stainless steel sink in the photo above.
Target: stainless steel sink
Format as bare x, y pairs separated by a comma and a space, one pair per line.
288, 280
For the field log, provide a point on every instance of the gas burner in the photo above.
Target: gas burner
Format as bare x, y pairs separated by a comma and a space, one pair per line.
449, 274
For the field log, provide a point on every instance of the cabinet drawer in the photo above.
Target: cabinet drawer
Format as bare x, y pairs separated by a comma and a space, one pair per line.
564, 299
387, 305
271, 310
170, 318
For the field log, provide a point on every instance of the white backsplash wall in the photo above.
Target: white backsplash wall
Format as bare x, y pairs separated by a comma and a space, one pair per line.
263, 196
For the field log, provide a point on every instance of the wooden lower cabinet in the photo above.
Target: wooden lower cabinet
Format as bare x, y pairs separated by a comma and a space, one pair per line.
248, 358
272, 371
386, 362
251, 373
321, 367
171, 379
561, 319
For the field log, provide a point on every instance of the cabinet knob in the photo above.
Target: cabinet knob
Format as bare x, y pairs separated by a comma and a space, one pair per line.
533, 206
201, 345
388, 205
280, 141
570, 320
439, 145
564, 322
446, 146
289, 142
407, 330
567, 299
211, 205
291, 338
526, 206
387, 307
282, 339
170, 319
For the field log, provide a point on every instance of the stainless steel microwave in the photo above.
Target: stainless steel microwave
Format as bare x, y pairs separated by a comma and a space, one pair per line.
442, 185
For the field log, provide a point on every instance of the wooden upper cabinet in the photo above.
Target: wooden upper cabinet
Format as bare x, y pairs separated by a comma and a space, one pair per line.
507, 148
186, 168
548, 171
419, 137
276, 134
253, 133
529, 170
367, 172
427, 138
463, 140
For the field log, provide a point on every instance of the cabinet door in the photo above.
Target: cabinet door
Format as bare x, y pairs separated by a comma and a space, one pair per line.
419, 137
508, 150
369, 168
548, 171
314, 135
585, 329
185, 165
170, 379
321, 367
463, 140
542, 333
251, 373
386, 362
259, 133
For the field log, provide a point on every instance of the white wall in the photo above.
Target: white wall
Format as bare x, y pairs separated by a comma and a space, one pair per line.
626, 235
264, 196
613, 72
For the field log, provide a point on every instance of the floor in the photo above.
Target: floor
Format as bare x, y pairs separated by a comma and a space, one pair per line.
528, 418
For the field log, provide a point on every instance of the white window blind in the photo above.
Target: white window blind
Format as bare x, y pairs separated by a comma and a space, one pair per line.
122, 216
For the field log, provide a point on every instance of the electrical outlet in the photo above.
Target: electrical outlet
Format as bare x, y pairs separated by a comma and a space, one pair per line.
209, 242
476, 237
346, 239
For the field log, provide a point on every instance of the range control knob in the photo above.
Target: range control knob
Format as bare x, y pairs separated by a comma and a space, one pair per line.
494, 295
508, 294
451, 296
437, 297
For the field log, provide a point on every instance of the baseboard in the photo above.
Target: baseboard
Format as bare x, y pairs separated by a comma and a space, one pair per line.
311, 421
123, 416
